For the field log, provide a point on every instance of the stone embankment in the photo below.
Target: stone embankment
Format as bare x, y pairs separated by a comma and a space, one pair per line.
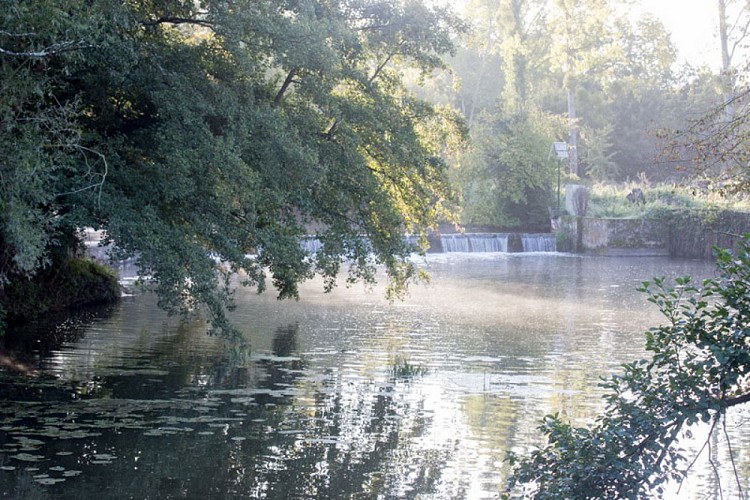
684, 234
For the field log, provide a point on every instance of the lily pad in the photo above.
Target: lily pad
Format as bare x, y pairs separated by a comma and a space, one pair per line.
28, 457
49, 480
24, 441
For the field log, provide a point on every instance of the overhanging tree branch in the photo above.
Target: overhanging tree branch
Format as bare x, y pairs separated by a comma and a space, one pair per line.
745, 398
48, 51
285, 86
179, 20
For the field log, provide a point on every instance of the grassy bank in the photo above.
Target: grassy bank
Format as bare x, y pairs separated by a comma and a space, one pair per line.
72, 283
611, 200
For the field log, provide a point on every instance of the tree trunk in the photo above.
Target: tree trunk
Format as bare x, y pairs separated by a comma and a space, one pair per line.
573, 132
726, 60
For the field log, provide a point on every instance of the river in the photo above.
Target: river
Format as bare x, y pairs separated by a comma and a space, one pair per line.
340, 395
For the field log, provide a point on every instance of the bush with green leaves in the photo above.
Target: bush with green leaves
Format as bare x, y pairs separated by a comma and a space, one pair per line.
699, 367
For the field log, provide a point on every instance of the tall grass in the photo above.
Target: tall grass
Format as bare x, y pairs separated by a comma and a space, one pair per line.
611, 200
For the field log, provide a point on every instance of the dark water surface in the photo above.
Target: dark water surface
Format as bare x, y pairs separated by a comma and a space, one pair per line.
342, 395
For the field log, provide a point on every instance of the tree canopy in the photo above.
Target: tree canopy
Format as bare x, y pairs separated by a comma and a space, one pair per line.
195, 131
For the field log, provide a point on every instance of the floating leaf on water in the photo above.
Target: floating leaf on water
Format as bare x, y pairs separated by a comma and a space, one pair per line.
171, 430
72, 473
79, 435
57, 468
205, 433
244, 401
63, 453
27, 457
7, 467
101, 462
49, 480
104, 456
238, 438
24, 441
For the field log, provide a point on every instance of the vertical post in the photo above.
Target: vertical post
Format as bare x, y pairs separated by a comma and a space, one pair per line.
558, 186
573, 132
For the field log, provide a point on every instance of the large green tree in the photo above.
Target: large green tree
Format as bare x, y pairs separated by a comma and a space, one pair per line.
191, 131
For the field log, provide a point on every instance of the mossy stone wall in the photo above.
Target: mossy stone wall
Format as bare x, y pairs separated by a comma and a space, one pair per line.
624, 236
677, 233
695, 233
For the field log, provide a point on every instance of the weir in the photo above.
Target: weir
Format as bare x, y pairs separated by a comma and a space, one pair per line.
543, 242
498, 242
473, 243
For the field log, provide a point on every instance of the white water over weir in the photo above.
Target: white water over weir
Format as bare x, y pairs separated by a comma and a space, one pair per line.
539, 242
498, 242
476, 243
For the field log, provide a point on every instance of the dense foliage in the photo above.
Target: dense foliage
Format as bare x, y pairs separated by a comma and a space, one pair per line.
698, 370
200, 131
595, 74
507, 175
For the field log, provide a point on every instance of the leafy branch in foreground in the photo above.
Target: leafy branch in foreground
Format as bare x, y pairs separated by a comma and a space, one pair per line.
698, 370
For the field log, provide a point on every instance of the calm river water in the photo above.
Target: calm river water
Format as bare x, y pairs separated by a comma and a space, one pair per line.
341, 395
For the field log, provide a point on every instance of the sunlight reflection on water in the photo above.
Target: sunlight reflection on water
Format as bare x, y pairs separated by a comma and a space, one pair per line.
343, 394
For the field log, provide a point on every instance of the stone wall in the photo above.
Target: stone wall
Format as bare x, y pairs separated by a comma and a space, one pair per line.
615, 237
691, 234
695, 234
624, 236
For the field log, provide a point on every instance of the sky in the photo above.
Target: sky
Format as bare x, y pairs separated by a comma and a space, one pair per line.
694, 27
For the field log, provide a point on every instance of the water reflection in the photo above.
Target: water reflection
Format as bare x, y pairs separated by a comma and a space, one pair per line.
342, 395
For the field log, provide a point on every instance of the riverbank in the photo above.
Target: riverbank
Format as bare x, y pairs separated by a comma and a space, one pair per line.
69, 283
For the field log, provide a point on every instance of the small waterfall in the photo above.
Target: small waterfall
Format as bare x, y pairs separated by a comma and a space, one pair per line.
480, 242
475, 242
310, 245
471, 242
543, 242
454, 243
